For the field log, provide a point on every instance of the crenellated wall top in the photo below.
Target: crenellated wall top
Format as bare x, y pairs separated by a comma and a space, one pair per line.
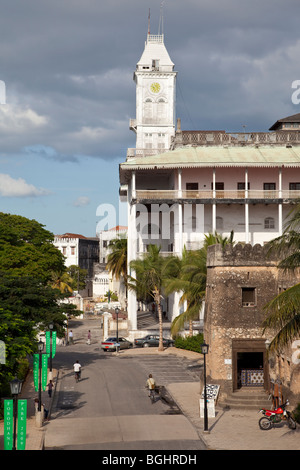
240, 255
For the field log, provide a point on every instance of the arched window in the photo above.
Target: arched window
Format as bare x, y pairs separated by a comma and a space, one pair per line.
162, 108
269, 223
148, 109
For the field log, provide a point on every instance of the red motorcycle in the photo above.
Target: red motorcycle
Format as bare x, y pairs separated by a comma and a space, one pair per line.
272, 417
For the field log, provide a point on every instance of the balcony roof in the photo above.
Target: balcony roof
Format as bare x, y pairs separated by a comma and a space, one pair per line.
201, 157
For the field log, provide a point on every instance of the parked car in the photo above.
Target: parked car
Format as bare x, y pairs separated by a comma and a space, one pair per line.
152, 340
110, 344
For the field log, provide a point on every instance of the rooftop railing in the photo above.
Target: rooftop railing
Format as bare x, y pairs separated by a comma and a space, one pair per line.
239, 138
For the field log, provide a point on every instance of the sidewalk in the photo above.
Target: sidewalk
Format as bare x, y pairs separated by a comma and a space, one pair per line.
35, 435
229, 430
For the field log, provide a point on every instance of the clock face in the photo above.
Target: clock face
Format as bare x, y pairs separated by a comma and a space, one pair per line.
155, 87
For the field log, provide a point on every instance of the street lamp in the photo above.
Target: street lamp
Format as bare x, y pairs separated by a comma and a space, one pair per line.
15, 389
204, 351
117, 313
40, 349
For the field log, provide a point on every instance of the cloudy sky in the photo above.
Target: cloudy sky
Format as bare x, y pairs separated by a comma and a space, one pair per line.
68, 69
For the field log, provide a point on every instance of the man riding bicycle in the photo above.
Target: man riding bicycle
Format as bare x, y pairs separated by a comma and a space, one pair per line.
77, 369
150, 384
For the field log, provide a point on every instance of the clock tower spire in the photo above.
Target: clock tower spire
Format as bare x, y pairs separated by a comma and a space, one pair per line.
155, 80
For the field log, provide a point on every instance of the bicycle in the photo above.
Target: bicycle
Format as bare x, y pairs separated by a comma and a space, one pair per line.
77, 376
152, 395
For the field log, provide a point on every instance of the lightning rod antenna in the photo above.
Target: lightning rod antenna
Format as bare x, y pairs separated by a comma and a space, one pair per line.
161, 19
149, 23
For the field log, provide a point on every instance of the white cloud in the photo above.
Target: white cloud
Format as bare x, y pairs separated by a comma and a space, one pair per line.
15, 119
10, 187
81, 201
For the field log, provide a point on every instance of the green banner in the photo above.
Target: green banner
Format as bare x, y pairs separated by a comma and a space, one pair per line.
48, 343
36, 371
8, 424
21, 428
44, 371
53, 343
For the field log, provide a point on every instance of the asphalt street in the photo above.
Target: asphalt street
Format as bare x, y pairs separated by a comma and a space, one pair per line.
109, 409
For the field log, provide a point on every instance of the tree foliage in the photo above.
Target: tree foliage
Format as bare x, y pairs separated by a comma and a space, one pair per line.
283, 312
26, 248
28, 259
150, 274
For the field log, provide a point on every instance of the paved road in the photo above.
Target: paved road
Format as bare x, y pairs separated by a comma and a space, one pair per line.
109, 407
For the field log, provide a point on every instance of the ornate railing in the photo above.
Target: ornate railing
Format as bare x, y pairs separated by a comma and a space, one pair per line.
238, 138
218, 194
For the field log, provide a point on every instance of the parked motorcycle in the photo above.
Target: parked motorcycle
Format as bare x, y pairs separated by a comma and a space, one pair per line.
272, 417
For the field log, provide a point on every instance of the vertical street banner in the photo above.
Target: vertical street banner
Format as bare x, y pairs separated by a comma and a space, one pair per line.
36, 371
48, 343
44, 371
53, 343
48, 338
21, 428
8, 424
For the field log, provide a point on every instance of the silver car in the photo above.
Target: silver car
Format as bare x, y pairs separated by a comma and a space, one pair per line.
110, 344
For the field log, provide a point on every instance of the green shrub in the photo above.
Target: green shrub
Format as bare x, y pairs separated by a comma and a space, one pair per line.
191, 343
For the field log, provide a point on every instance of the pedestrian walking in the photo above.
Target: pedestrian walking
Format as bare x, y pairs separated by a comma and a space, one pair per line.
50, 387
89, 337
71, 337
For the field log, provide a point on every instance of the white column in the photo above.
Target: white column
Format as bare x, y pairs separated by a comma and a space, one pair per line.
246, 208
280, 229
180, 241
133, 185
131, 255
179, 183
214, 207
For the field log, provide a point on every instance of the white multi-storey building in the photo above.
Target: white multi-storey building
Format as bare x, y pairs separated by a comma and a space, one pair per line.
79, 251
203, 181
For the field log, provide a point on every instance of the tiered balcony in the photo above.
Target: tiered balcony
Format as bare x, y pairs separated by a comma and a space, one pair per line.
218, 195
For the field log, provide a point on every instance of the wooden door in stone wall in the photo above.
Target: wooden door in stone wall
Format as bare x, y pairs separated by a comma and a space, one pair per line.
249, 364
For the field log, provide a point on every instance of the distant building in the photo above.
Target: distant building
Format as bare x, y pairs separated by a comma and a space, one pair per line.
287, 124
80, 251
103, 280
106, 236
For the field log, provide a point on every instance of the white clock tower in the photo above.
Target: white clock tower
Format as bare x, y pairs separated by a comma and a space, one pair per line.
155, 80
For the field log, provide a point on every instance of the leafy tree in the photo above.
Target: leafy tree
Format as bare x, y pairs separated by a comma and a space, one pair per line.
26, 248
28, 258
38, 304
77, 277
283, 312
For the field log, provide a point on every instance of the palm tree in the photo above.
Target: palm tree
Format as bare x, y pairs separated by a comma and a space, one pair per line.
284, 310
151, 272
61, 280
117, 258
191, 281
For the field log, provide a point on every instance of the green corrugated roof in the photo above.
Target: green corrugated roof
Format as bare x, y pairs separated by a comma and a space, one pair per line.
193, 157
